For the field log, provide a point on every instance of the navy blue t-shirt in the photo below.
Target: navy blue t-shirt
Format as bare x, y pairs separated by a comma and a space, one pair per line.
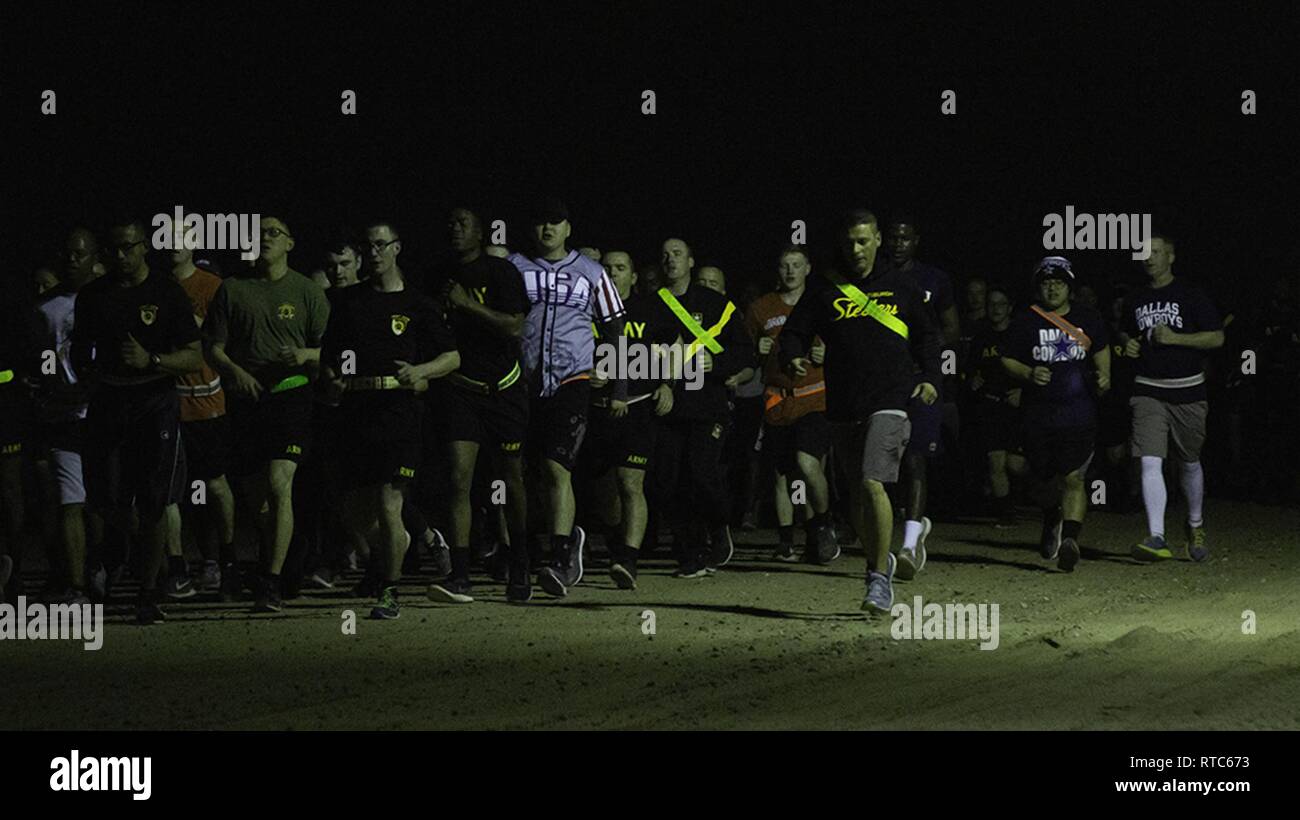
1171, 373
1068, 400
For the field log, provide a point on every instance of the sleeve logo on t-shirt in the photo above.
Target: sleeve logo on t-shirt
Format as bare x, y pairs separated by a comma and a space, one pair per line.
399, 323
286, 311
148, 314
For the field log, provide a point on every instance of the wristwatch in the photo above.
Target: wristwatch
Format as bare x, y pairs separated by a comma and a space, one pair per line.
155, 361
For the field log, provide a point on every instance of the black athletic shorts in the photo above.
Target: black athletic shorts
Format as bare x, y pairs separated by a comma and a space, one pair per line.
499, 419
999, 426
927, 427
376, 445
1058, 451
277, 426
207, 447
559, 423
132, 452
1116, 421
627, 442
14, 425
810, 433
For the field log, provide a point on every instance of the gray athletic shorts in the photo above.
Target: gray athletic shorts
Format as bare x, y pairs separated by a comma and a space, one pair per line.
1156, 422
60, 443
873, 449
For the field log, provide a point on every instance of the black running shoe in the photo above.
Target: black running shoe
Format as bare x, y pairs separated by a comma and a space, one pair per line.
721, 547
231, 586
623, 569
519, 585
268, 597
1049, 543
148, 612
387, 608
451, 591
1068, 555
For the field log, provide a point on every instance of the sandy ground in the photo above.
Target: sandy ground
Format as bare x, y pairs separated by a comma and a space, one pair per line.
761, 645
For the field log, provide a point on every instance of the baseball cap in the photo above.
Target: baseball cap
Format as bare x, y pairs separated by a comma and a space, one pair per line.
1053, 267
548, 211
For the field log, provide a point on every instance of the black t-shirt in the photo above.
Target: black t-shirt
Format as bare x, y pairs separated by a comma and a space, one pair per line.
485, 355
707, 307
1170, 372
157, 313
645, 326
380, 329
1068, 400
988, 346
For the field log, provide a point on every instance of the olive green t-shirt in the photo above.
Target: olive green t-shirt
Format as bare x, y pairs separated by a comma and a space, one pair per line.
255, 319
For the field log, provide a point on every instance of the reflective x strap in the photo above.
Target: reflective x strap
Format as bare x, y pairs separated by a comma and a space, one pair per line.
870, 306
705, 338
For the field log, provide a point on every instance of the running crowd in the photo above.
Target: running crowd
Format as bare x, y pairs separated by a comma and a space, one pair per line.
336, 417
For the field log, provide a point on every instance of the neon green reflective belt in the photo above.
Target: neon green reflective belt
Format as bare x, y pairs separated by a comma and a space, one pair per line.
510, 378
6, 376
870, 306
291, 383
705, 338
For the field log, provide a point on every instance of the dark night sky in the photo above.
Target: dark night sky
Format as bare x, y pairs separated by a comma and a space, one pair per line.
763, 117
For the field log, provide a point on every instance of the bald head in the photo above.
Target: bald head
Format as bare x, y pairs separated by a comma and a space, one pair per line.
712, 278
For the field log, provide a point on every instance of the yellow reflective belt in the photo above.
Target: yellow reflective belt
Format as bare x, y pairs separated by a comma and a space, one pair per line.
870, 306
291, 383
6, 376
702, 336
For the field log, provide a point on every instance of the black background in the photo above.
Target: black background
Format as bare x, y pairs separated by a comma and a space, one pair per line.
766, 114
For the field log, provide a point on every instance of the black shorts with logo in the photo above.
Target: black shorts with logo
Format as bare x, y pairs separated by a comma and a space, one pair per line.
207, 447
376, 444
499, 419
132, 453
277, 426
627, 442
559, 423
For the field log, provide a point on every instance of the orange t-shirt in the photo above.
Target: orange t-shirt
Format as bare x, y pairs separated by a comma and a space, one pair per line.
765, 317
201, 286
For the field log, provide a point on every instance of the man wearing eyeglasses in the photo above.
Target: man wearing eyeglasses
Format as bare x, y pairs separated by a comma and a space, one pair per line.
384, 343
264, 333
134, 335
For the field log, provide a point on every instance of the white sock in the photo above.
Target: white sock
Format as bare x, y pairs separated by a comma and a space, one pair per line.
1193, 483
911, 534
1154, 494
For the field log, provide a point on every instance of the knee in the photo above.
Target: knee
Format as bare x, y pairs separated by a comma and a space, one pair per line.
631, 483
874, 489
281, 483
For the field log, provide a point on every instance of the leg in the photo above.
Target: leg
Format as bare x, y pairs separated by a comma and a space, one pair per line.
280, 479
631, 492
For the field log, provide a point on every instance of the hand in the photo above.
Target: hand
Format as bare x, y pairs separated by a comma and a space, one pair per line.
663, 397
799, 366
818, 352
246, 385
765, 344
976, 382
617, 409
927, 393
732, 382
1164, 335
1103, 382
408, 374
133, 354
457, 296
1013, 397
705, 360
1040, 375
1133, 348
293, 356
597, 381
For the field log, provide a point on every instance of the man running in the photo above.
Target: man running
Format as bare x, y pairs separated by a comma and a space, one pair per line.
882, 349
997, 407
264, 331
1168, 326
384, 343
689, 478
569, 293
1059, 352
134, 335
623, 433
485, 402
795, 432
926, 436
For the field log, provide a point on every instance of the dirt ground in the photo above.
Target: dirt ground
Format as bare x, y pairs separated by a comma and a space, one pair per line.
761, 645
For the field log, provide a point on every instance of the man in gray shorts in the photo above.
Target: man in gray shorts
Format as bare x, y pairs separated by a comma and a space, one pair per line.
1168, 327
882, 349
